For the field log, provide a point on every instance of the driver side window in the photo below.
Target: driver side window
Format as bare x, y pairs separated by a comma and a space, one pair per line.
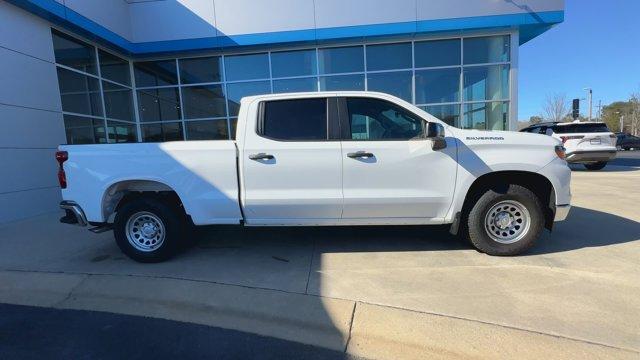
375, 119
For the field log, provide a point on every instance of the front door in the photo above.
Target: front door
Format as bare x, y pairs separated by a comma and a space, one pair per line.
390, 171
292, 164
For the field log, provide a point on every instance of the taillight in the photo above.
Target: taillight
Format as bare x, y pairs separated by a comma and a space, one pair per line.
575, 137
561, 151
61, 157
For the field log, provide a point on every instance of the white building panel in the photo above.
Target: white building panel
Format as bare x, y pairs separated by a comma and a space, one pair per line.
337, 13
111, 14
249, 16
30, 128
173, 20
25, 33
450, 9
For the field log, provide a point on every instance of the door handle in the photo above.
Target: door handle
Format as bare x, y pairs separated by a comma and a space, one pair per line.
261, 156
360, 154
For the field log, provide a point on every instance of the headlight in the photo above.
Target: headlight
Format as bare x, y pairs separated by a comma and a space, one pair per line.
561, 151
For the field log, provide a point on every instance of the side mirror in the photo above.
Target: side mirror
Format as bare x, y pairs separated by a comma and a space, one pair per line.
435, 132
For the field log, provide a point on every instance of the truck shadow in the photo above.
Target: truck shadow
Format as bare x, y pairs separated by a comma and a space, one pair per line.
583, 229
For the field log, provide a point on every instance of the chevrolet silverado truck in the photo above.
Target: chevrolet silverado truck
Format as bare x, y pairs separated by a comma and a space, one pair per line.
315, 159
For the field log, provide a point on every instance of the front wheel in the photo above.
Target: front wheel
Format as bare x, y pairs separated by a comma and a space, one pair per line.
596, 166
148, 230
505, 222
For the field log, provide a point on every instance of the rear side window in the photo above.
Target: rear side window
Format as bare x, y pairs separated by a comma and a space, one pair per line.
581, 128
295, 120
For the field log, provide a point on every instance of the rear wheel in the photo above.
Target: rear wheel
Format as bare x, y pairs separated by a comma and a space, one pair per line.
596, 166
505, 222
148, 230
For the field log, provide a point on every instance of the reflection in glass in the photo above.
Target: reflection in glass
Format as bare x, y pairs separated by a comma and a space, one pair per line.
158, 104
84, 130
489, 116
235, 92
203, 101
234, 125
341, 60
293, 63
394, 83
207, 130
155, 73
118, 102
437, 86
79, 93
342, 82
490, 49
486, 83
295, 85
247, 67
73, 53
389, 56
120, 132
200, 70
448, 113
437, 53
114, 68
162, 132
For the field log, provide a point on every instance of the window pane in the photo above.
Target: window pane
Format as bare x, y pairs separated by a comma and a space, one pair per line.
342, 82
162, 132
447, 113
120, 132
341, 60
304, 119
295, 85
200, 70
155, 73
114, 68
118, 102
79, 93
394, 83
489, 116
483, 50
389, 56
234, 126
158, 104
203, 101
235, 92
374, 119
437, 53
486, 83
73, 53
293, 63
437, 86
207, 130
247, 67
83, 130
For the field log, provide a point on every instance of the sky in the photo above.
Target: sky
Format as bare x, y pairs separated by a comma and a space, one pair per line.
597, 46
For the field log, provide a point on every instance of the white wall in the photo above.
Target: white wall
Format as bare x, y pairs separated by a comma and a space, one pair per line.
30, 116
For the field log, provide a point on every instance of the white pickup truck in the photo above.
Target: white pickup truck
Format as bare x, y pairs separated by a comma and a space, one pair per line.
322, 158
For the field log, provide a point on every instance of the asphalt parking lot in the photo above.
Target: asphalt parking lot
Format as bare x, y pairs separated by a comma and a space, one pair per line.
373, 292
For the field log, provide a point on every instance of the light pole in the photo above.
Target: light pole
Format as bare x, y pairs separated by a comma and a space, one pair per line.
590, 100
621, 121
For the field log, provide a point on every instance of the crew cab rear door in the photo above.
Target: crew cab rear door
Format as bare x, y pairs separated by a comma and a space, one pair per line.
391, 174
292, 163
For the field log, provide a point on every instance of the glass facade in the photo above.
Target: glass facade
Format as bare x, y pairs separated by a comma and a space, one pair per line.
465, 81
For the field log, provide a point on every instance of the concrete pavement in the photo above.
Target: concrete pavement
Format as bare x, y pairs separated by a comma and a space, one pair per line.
376, 292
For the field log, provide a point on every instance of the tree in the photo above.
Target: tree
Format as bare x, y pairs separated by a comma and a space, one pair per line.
536, 119
555, 107
612, 113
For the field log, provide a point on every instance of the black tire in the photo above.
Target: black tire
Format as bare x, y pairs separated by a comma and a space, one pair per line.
171, 219
596, 166
478, 233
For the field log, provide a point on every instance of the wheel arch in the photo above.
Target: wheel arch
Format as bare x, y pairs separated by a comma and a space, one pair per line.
121, 192
539, 184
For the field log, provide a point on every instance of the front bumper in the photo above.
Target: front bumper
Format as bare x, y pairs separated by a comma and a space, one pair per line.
562, 211
73, 214
590, 156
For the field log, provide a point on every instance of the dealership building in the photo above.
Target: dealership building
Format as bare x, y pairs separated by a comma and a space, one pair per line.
80, 71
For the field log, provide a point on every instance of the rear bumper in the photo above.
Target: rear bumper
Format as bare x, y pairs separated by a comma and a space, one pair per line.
590, 156
73, 214
562, 211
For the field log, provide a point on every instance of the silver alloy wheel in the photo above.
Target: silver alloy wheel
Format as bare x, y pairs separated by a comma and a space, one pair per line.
507, 222
145, 231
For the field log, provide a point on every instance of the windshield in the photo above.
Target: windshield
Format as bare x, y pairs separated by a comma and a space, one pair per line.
581, 128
